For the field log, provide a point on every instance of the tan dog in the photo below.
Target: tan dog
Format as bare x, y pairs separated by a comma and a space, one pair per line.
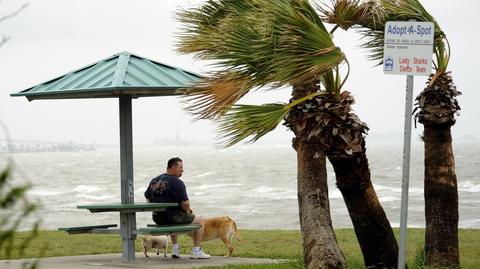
221, 227
158, 242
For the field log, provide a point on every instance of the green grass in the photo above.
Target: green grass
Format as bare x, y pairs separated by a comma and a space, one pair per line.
261, 244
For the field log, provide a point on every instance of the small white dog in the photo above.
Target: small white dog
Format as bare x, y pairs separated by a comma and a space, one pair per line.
158, 242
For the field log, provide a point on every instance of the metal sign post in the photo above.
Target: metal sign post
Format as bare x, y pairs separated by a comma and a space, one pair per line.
407, 51
407, 137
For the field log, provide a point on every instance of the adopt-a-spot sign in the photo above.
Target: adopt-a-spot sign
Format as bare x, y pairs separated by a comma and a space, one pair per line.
408, 48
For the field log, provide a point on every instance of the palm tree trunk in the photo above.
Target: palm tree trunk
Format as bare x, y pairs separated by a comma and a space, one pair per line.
437, 106
338, 133
320, 247
441, 198
374, 233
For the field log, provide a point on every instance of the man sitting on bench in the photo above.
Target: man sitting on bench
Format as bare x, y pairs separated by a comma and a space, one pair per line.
169, 188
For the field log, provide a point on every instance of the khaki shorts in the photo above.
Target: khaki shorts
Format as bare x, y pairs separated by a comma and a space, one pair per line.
169, 217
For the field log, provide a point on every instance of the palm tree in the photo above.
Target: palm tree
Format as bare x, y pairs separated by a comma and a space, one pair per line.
261, 43
232, 33
435, 108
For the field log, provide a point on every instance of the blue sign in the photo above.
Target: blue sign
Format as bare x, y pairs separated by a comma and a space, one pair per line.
388, 64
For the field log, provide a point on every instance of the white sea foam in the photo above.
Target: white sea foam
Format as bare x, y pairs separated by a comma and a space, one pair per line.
384, 199
471, 223
380, 188
291, 195
335, 194
265, 190
216, 186
89, 197
411, 190
46, 192
469, 186
87, 188
206, 174
415, 191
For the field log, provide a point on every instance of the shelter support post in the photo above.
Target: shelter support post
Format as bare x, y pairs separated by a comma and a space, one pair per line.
127, 220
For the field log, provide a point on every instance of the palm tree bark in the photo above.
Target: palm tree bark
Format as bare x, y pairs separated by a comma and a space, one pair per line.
327, 121
330, 122
441, 199
320, 247
374, 233
437, 106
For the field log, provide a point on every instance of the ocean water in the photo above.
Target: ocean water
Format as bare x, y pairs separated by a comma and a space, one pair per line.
255, 185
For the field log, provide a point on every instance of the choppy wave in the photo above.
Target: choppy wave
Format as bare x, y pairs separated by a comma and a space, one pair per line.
206, 174
47, 192
471, 223
272, 193
218, 186
87, 188
335, 194
469, 186
411, 190
466, 186
95, 197
250, 184
384, 199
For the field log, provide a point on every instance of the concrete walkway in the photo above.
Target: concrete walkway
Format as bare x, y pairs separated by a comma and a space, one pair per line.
110, 261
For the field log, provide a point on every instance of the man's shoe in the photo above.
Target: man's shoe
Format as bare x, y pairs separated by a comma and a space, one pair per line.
199, 255
176, 253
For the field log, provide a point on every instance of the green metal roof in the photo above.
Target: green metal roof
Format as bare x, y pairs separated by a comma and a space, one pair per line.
121, 74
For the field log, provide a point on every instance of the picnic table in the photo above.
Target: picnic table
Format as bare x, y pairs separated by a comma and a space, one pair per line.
128, 228
127, 208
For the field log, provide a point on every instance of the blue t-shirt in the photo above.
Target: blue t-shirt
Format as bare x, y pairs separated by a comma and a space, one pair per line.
166, 189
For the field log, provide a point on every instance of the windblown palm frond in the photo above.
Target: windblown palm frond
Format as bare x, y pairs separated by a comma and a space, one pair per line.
332, 80
367, 16
199, 25
212, 97
346, 13
243, 121
271, 42
263, 42
405, 10
302, 47
374, 42
402, 10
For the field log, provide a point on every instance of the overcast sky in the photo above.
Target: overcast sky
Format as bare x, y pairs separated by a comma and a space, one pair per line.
53, 37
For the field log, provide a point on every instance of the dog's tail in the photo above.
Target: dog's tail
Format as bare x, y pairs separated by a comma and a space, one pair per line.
236, 234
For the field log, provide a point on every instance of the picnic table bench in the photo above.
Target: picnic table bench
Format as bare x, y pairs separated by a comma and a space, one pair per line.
94, 229
128, 231
168, 229
152, 229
